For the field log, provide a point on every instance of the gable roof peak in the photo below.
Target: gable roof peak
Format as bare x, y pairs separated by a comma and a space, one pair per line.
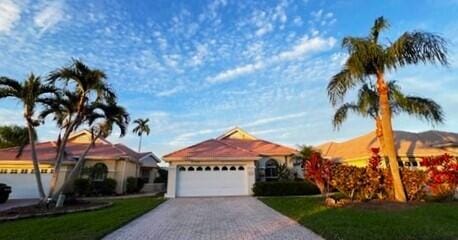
237, 133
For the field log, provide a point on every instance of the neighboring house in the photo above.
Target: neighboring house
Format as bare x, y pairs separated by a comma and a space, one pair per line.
225, 166
119, 161
411, 147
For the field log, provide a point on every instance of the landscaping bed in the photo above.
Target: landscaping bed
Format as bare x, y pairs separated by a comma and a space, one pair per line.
372, 220
44, 210
81, 225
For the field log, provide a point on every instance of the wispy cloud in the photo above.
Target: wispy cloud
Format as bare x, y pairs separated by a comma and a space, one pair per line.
49, 16
10, 13
269, 120
304, 47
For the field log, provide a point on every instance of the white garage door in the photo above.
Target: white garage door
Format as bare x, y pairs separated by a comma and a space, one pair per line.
24, 185
196, 181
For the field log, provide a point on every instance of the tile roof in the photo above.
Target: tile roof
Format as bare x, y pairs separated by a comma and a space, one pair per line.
233, 149
46, 152
407, 144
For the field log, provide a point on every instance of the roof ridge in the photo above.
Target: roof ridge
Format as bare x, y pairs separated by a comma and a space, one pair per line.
267, 141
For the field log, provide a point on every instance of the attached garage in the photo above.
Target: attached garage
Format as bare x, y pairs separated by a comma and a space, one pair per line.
23, 183
212, 180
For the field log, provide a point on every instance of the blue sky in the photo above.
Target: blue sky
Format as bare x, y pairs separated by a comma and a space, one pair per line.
198, 68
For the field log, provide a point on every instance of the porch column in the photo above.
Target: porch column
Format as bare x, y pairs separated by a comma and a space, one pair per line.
171, 181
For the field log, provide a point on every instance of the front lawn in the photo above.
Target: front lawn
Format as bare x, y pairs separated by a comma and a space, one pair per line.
85, 225
422, 221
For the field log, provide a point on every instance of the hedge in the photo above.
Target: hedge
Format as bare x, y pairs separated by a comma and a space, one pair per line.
284, 188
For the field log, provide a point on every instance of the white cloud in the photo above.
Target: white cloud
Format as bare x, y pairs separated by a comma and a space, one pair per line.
10, 12
49, 16
265, 28
305, 46
169, 92
199, 55
235, 72
268, 120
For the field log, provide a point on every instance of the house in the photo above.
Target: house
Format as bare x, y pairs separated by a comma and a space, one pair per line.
411, 147
119, 161
228, 165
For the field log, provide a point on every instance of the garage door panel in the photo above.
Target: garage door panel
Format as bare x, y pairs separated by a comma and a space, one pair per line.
212, 183
24, 185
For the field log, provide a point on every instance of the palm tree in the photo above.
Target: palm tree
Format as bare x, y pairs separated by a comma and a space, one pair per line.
31, 93
83, 86
101, 118
367, 105
369, 59
142, 127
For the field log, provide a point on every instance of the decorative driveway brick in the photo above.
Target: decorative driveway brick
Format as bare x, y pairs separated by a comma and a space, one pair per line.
213, 218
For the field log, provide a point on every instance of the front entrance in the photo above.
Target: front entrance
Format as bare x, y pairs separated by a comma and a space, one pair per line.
226, 180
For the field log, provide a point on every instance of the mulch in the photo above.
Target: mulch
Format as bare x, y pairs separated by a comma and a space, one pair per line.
42, 209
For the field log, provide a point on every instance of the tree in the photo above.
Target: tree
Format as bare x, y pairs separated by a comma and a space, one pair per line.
142, 127
367, 105
83, 86
370, 59
101, 118
30, 93
14, 136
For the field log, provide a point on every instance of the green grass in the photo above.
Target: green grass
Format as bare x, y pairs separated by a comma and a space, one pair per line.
85, 225
425, 221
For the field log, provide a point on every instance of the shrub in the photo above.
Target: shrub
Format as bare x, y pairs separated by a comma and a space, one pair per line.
284, 188
105, 187
132, 185
442, 172
140, 184
82, 187
318, 171
5, 191
414, 182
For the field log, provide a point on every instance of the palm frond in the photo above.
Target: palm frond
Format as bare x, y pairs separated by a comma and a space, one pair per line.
341, 114
380, 24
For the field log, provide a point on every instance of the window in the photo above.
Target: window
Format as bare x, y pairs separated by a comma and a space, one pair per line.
32, 171
13, 171
216, 169
208, 168
224, 168
44, 170
51, 171
3, 171
182, 169
99, 172
271, 170
24, 171
199, 169
241, 168
233, 168
190, 169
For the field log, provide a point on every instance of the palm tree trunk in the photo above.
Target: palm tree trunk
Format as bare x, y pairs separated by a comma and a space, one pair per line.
58, 164
36, 167
140, 144
381, 141
77, 168
387, 130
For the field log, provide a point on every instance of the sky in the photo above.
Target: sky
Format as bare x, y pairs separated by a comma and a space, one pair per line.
198, 68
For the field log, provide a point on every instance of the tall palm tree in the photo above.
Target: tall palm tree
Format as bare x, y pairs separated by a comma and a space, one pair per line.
370, 59
101, 118
142, 127
83, 86
367, 105
14, 135
30, 93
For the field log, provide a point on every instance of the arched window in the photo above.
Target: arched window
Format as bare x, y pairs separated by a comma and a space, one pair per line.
233, 168
190, 169
208, 168
224, 168
99, 172
271, 170
199, 169
182, 169
241, 168
216, 168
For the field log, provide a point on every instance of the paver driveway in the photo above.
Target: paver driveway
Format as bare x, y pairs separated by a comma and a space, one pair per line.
213, 218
